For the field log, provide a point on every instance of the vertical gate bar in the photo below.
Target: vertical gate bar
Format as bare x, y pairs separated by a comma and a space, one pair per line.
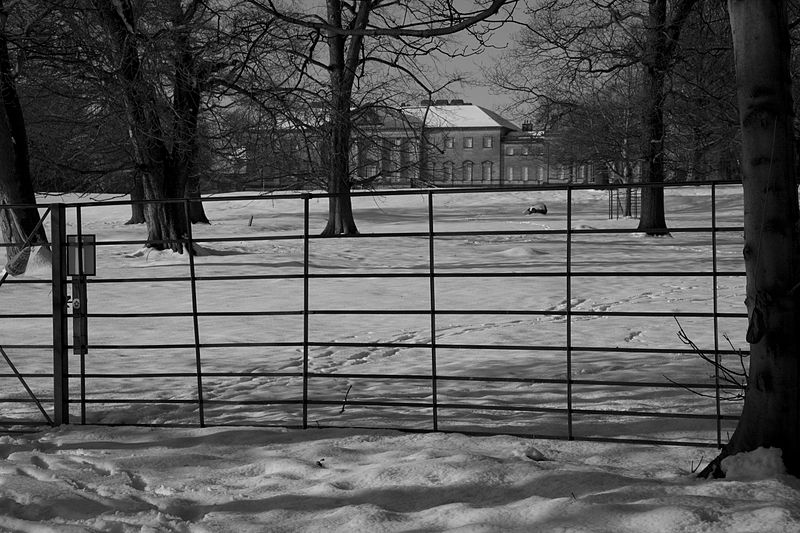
432, 285
569, 312
79, 320
195, 322
58, 240
306, 200
716, 311
82, 337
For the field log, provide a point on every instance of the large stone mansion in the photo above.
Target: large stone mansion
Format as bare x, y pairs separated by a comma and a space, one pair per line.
442, 143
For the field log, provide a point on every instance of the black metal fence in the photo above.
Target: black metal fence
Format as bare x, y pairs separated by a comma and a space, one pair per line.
624, 202
500, 323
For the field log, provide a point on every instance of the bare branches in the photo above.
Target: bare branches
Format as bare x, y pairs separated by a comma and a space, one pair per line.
735, 379
424, 20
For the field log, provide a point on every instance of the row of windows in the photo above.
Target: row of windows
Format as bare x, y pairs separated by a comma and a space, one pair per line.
468, 170
524, 173
518, 150
488, 142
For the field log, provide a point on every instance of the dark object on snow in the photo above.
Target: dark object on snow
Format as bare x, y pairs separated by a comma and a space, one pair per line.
539, 208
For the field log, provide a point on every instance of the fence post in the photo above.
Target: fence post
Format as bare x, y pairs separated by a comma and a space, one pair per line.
195, 323
569, 312
306, 199
58, 238
80, 327
432, 277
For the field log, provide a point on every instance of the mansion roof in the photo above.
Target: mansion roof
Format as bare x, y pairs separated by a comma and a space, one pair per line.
458, 116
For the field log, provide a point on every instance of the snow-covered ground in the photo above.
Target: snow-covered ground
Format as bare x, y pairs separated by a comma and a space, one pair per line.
254, 480
93, 478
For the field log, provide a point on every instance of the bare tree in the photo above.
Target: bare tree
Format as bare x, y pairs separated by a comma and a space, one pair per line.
166, 221
702, 119
771, 412
569, 48
359, 35
662, 33
163, 107
16, 186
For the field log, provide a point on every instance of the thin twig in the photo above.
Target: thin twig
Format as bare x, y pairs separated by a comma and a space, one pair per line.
344, 404
726, 375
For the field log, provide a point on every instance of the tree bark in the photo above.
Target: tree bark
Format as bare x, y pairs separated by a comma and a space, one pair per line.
344, 54
661, 44
186, 108
16, 185
652, 220
166, 221
771, 412
137, 195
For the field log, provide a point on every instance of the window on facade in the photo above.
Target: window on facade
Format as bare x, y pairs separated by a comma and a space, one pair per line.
448, 142
467, 142
487, 170
525, 173
510, 150
468, 171
526, 150
488, 141
510, 173
448, 172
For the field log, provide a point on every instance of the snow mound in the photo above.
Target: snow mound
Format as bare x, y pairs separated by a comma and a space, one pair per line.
169, 256
206, 251
520, 251
153, 255
761, 463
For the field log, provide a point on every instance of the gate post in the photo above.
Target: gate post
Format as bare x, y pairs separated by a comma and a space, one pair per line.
58, 238
306, 241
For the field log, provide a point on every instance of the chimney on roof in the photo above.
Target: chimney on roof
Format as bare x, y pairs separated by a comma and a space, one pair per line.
457, 101
527, 126
426, 102
441, 102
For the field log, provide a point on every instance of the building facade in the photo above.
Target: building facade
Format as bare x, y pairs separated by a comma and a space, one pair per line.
442, 143
457, 144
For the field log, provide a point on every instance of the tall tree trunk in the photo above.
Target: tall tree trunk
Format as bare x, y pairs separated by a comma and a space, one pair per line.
166, 221
16, 185
661, 44
771, 412
197, 213
652, 219
137, 195
343, 61
186, 108
340, 210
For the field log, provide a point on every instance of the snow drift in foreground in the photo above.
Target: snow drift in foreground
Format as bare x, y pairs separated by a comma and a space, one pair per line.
136, 479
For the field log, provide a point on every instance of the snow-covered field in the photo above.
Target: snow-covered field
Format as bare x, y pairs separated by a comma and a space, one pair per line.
94, 478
